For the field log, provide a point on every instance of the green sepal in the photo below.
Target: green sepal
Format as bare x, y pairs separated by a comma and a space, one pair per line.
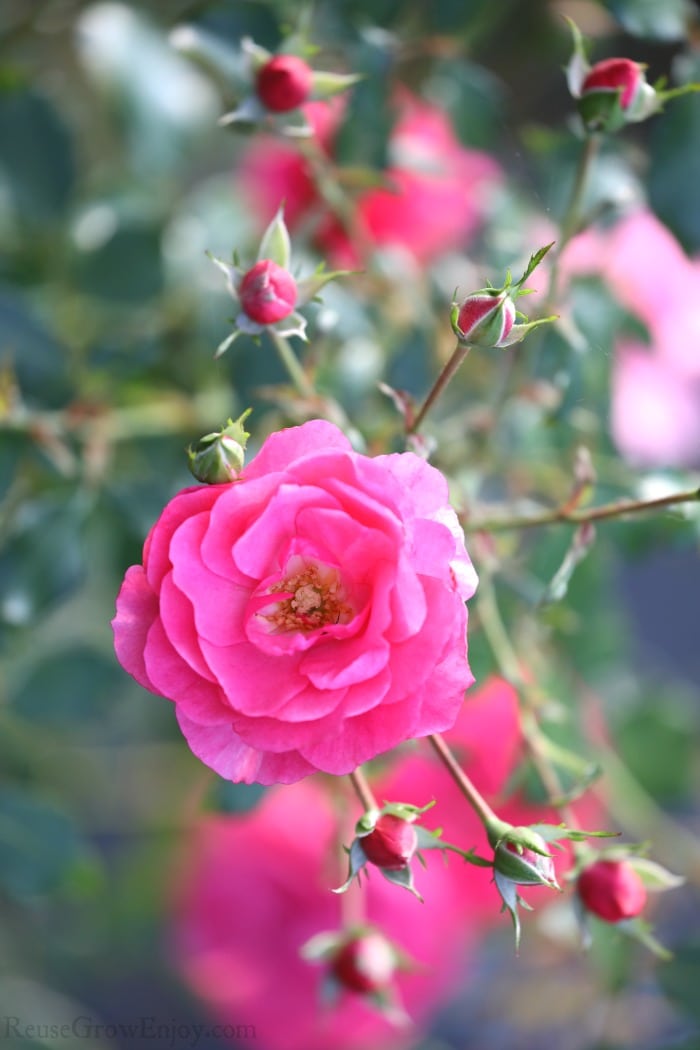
578, 66
309, 287
553, 832
533, 262
326, 85
402, 877
404, 810
357, 861
275, 243
519, 331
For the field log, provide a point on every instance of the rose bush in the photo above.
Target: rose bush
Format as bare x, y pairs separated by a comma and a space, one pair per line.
307, 616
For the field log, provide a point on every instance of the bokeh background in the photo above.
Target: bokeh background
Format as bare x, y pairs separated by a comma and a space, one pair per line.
114, 181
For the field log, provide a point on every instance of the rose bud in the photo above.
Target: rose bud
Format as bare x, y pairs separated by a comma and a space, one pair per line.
365, 963
267, 292
615, 92
485, 319
612, 890
525, 867
391, 844
219, 457
615, 74
283, 83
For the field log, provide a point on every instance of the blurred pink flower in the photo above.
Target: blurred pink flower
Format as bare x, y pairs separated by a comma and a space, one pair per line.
438, 189
255, 888
307, 616
655, 413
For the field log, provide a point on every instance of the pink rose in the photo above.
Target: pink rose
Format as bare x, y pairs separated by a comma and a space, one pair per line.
253, 889
308, 616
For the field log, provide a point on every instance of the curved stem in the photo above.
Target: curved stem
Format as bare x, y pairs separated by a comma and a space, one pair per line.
568, 515
458, 355
362, 789
478, 803
572, 219
296, 373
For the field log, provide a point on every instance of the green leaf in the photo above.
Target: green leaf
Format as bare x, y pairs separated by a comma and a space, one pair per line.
667, 21
127, 268
71, 689
36, 153
680, 979
36, 357
43, 560
39, 844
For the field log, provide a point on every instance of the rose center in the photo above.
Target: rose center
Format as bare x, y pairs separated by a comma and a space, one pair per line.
309, 596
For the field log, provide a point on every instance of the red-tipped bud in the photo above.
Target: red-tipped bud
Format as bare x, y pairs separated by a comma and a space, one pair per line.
523, 866
615, 74
391, 844
366, 963
612, 890
284, 82
615, 92
485, 319
267, 292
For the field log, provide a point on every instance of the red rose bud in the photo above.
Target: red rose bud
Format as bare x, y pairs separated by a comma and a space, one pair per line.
284, 83
485, 319
526, 868
366, 963
391, 844
612, 890
268, 292
615, 74
615, 92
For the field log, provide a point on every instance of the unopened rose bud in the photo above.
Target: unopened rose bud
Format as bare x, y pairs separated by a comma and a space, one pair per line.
617, 75
219, 457
365, 963
284, 83
612, 890
391, 844
615, 92
267, 292
525, 867
485, 319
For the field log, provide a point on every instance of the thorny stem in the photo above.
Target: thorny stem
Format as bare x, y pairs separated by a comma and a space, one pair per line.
565, 514
448, 371
296, 373
478, 803
363, 790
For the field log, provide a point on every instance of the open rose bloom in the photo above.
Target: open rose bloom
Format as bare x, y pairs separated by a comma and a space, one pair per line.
307, 616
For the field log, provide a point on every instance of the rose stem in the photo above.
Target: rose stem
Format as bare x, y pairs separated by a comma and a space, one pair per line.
507, 660
617, 509
289, 359
478, 803
362, 789
458, 355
